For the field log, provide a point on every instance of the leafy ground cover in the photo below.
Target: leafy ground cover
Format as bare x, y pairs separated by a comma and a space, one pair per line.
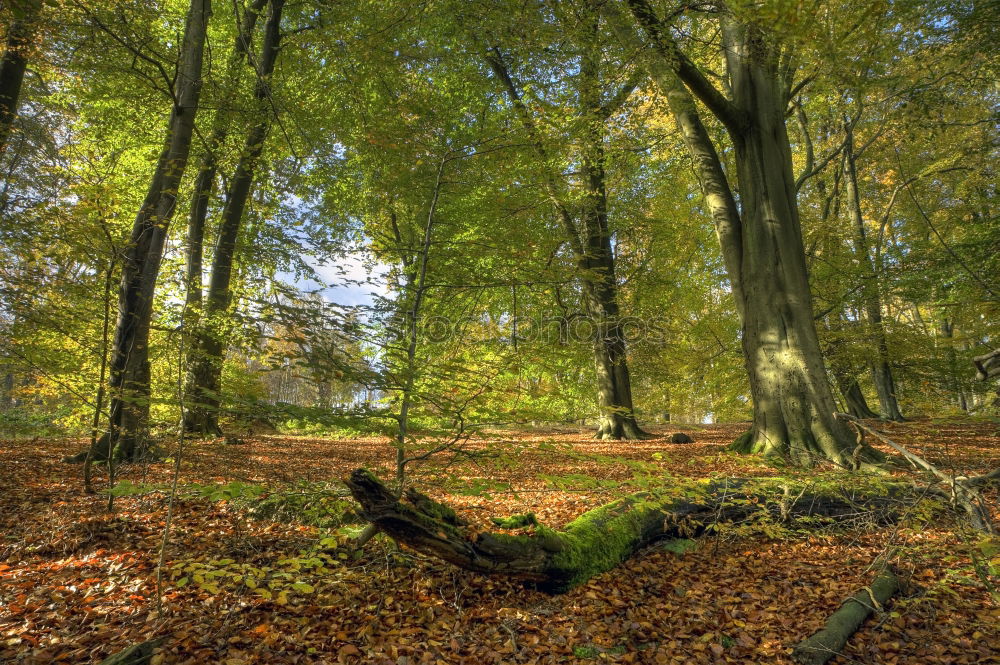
257, 571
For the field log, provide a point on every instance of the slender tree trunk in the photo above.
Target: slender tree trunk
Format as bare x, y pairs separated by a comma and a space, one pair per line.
20, 35
95, 423
761, 241
129, 367
210, 346
946, 329
590, 240
209, 166
597, 262
204, 184
872, 301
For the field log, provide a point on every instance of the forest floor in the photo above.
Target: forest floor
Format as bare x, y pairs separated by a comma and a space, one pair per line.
78, 583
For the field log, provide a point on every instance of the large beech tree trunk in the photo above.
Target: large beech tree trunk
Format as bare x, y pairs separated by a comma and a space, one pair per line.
597, 541
129, 384
761, 236
20, 34
793, 403
209, 348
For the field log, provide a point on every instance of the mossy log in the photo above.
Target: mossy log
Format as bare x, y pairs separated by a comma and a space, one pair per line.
824, 644
597, 541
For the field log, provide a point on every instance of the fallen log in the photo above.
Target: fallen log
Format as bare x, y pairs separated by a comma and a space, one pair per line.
597, 541
137, 654
826, 643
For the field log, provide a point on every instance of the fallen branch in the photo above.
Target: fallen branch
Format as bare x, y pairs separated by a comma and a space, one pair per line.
826, 643
962, 491
599, 540
137, 654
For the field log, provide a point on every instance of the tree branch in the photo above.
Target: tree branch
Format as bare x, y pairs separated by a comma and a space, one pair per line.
723, 109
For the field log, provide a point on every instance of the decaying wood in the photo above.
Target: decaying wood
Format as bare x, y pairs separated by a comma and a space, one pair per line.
597, 541
827, 642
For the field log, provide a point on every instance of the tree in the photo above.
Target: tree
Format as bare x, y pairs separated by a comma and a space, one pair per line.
870, 297
20, 35
585, 226
209, 347
761, 236
129, 367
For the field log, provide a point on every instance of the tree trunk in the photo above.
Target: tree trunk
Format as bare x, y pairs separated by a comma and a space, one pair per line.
129, 385
761, 241
20, 34
597, 262
793, 403
871, 298
194, 418
987, 365
590, 241
597, 541
827, 643
854, 399
209, 349
946, 328
209, 166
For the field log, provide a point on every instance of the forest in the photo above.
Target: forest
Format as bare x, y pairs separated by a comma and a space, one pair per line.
499, 331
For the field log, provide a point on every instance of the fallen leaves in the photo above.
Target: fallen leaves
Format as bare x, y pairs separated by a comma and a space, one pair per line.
77, 585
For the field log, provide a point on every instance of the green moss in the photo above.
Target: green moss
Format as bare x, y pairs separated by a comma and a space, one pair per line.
743, 443
432, 508
596, 542
680, 546
516, 521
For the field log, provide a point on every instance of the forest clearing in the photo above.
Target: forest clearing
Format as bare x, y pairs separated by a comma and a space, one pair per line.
420, 332
79, 584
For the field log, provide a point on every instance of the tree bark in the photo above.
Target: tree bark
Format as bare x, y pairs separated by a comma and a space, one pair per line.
946, 329
871, 298
20, 34
597, 541
194, 417
854, 399
987, 365
209, 351
761, 240
129, 367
